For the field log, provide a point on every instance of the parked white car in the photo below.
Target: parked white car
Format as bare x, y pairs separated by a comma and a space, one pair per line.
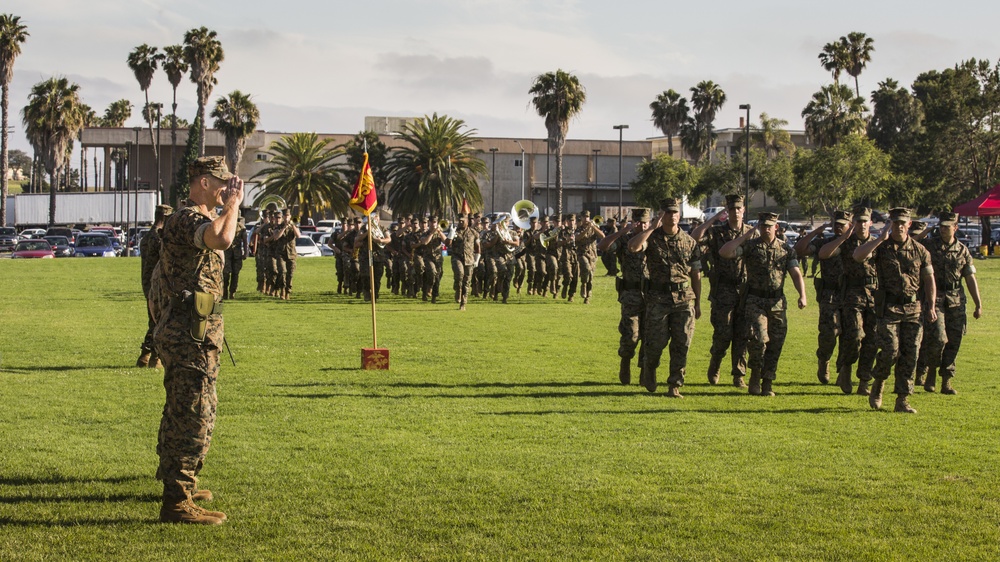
306, 248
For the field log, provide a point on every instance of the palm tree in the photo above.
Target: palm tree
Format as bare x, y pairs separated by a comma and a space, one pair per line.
558, 97
117, 114
143, 61
438, 170
670, 111
303, 172
176, 67
858, 48
53, 116
203, 52
833, 57
772, 136
707, 98
694, 139
90, 119
833, 113
12, 34
236, 117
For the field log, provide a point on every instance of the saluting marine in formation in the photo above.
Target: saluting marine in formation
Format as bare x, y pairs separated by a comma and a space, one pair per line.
149, 253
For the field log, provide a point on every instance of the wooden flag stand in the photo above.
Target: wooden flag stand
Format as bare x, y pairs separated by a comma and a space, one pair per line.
373, 358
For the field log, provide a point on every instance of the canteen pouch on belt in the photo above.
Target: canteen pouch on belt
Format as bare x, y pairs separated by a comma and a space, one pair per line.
203, 304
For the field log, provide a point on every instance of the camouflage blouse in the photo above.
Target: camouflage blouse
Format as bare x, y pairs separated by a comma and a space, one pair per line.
767, 263
463, 246
633, 264
951, 263
149, 252
832, 269
899, 266
725, 271
670, 259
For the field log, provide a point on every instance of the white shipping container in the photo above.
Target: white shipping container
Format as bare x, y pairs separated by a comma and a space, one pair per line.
85, 208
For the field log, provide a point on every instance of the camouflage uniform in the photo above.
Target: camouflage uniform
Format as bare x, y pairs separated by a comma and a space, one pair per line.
726, 277
828, 297
630, 296
378, 266
899, 266
586, 255
609, 256
670, 299
766, 264
191, 367
260, 256
289, 256
149, 253
943, 338
463, 256
235, 255
537, 253
569, 265
553, 256
858, 336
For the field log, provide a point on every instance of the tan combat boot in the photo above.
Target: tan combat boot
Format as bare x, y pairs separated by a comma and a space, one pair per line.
844, 380
946, 387
931, 381
754, 383
154, 361
765, 388
863, 388
823, 372
625, 371
903, 406
185, 511
674, 392
738, 382
143, 360
920, 376
713, 370
875, 397
202, 496
650, 382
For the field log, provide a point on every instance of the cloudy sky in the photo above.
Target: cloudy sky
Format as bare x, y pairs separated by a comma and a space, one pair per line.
324, 66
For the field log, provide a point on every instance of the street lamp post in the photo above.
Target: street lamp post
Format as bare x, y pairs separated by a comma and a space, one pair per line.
493, 182
522, 167
597, 152
746, 186
621, 195
135, 215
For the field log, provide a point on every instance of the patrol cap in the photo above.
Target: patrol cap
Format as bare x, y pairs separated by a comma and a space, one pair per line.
163, 211
947, 219
862, 213
916, 227
484, 220
767, 219
463, 216
272, 206
568, 216
669, 204
553, 218
899, 214
584, 214
640, 214
210, 165
842, 217
734, 201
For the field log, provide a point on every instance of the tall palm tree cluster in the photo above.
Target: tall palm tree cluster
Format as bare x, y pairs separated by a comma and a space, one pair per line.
834, 111
672, 115
12, 34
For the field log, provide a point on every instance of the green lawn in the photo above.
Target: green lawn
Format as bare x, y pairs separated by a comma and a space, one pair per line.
498, 433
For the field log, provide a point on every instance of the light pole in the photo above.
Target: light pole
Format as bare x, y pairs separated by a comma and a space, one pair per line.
493, 182
135, 215
746, 197
159, 155
522, 167
597, 152
621, 195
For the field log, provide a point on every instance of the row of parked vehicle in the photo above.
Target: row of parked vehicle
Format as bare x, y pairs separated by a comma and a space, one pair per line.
61, 242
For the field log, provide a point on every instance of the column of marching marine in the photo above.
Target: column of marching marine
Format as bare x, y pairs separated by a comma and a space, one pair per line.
273, 244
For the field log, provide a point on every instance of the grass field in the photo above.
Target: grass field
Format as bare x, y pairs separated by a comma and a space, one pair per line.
500, 433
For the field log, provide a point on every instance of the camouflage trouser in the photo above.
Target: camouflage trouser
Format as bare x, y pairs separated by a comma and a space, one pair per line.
569, 270
631, 324
829, 325
610, 261
942, 339
898, 345
858, 339
529, 270
188, 418
260, 263
541, 273
276, 270
664, 323
587, 264
338, 265
378, 269
463, 279
430, 276
231, 276
354, 266
766, 328
479, 276
290, 265
499, 270
727, 328
551, 281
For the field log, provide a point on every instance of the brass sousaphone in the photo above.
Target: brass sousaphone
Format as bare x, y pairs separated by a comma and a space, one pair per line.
266, 199
522, 212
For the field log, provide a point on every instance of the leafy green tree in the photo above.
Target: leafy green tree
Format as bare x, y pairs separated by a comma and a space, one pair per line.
52, 119
772, 176
378, 155
20, 160
770, 135
302, 171
203, 53
117, 114
695, 139
833, 113
670, 112
236, 116
12, 34
833, 57
438, 170
707, 98
558, 97
858, 48
143, 61
664, 176
897, 116
833, 177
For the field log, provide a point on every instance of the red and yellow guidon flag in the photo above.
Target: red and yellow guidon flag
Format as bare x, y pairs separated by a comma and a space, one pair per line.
363, 198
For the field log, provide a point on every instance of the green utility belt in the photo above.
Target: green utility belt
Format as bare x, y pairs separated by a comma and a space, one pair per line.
201, 306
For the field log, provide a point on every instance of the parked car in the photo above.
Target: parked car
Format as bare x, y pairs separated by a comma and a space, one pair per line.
112, 234
31, 233
62, 231
90, 245
32, 249
8, 242
712, 211
60, 246
329, 225
306, 248
322, 243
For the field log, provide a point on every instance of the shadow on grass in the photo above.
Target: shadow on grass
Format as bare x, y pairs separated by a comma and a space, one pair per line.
84, 522
89, 498
61, 368
36, 481
440, 385
819, 410
495, 395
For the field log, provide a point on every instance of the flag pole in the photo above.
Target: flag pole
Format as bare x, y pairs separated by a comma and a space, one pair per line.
371, 283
